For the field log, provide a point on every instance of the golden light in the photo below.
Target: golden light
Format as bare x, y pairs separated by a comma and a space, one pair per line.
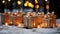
6, 24
9, 0
19, 2
3, 1
38, 26
47, 6
26, 3
30, 4
34, 23
19, 25
58, 25
37, 6
36, 1
44, 25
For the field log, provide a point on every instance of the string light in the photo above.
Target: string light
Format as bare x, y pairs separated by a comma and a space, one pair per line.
47, 6
19, 2
46, 0
36, 1
30, 4
9, 0
37, 6
26, 3
3, 1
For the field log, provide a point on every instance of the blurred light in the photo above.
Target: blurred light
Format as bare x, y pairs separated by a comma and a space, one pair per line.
3, 1
26, 3
53, 12
38, 26
34, 23
37, 6
47, 6
19, 2
19, 25
30, 4
36, 1
46, 0
9, 0
6, 24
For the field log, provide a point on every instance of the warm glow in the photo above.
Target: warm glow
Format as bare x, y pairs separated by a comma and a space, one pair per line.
44, 25
28, 13
15, 13
19, 25
47, 6
30, 4
6, 24
48, 12
53, 12
9, 0
39, 13
38, 26
37, 6
46, 0
3, 1
58, 25
34, 24
11, 22
8, 12
36, 1
19, 2
18, 15
26, 3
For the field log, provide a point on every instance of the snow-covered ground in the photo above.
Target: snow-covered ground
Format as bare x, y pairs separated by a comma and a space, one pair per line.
58, 21
16, 30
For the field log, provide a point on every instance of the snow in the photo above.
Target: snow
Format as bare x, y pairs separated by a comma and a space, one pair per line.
16, 30
46, 30
58, 21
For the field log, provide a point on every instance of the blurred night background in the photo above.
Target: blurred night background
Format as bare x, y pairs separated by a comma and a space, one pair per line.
54, 5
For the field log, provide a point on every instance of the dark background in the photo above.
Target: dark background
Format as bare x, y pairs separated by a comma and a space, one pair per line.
54, 6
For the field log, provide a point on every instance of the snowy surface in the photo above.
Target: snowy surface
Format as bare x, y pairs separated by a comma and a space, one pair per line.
15, 30
58, 21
